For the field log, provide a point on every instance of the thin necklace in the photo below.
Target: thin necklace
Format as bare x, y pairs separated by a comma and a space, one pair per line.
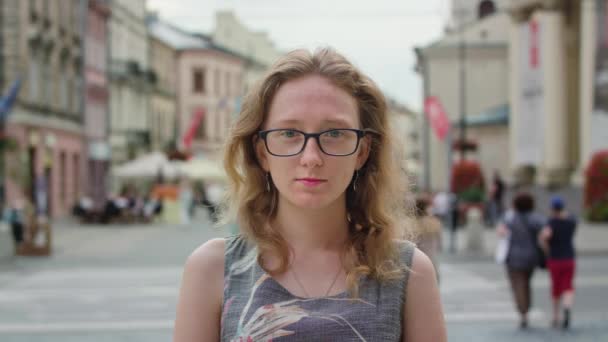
295, 276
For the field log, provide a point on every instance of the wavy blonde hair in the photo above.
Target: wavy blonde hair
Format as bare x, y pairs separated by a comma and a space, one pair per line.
377, 210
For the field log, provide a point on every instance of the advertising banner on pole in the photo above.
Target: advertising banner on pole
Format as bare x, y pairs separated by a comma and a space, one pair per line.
531, 113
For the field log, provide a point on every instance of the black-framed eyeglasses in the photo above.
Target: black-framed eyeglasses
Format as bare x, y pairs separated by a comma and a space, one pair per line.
333, 142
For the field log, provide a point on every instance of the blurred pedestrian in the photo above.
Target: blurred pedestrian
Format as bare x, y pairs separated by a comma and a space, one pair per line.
497, 190
202, 198
314, 184
557, 239
523, 225
15, 217
428, 232
441, 206
186, 199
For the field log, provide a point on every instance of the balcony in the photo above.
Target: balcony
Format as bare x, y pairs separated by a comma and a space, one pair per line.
130, 71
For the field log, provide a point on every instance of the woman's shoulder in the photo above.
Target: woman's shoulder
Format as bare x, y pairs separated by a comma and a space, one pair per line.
220, 248
567, 218
208, 257
423, 315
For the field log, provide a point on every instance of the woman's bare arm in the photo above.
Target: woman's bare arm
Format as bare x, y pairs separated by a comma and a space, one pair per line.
199, 307
423, 319
502, 230
544, 237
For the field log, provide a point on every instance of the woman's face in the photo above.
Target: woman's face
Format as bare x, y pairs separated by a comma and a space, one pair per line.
311, 179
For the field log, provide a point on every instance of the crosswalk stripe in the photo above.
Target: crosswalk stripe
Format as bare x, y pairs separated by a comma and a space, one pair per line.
79, 326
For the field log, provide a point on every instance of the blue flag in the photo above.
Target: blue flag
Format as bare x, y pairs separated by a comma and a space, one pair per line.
6, 103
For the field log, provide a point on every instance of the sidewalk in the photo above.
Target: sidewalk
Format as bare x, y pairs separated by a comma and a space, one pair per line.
591, 239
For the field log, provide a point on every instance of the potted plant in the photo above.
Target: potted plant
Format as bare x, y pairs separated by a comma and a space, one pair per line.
596, 188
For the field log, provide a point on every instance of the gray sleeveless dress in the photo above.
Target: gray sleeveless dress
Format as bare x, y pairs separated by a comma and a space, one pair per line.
257, 308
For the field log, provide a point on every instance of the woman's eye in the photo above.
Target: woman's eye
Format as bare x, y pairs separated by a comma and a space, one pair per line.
335, 134
288, 134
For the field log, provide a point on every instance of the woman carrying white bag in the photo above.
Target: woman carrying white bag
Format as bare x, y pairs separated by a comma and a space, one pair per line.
517, 250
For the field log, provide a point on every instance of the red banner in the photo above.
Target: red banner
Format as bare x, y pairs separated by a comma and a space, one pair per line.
437, 117
195, 123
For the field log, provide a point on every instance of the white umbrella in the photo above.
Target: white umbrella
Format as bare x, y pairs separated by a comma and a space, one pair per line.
203, 169
147, 166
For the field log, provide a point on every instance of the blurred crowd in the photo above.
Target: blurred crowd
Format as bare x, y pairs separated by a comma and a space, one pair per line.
169, 202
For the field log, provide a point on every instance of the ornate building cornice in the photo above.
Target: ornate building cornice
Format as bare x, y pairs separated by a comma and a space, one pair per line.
521, 10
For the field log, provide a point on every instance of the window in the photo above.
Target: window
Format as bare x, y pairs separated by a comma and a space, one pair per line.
201, 132
33, 10
63, 177
63, 86
198, 81
76, 173
486, 8
216, 78
237, 84
227, 120
46, 80
34, 76
76, 90
218, 125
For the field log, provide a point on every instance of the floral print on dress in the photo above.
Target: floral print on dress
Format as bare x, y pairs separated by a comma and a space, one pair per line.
258, 309
269, 321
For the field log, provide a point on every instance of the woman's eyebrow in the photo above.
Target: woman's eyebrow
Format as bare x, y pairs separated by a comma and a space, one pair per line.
327, 121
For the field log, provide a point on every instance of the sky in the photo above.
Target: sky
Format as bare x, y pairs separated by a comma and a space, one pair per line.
378, 36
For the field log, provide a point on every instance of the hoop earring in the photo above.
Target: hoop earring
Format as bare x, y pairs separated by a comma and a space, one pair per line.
267, 181
355, 181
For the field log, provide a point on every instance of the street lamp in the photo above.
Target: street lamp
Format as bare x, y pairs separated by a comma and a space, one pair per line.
463, 84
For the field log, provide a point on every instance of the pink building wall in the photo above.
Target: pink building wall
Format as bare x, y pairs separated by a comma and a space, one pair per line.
96, 103
218, 98
66, 182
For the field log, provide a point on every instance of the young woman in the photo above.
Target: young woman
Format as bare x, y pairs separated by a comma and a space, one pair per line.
316, 190
523, 225
557, 239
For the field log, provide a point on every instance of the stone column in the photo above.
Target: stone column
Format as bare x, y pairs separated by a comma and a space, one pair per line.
587, 66
514, 66
554, 168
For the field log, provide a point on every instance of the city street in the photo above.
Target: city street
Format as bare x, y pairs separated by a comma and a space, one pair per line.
110, 283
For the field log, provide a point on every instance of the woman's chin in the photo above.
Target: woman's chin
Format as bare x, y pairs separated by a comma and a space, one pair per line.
311, 201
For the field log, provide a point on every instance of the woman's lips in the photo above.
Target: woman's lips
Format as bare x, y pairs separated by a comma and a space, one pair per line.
311, 181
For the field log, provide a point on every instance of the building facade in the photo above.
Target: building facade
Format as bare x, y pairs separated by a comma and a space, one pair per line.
209, 88
163, 106
467, 12
551, 82
42, 44
552, 57
131, 80
209, 82
96, 102
405, 124
255, 46
474, 58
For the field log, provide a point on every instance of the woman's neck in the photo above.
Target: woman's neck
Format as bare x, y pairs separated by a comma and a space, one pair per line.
312, 230
560, 213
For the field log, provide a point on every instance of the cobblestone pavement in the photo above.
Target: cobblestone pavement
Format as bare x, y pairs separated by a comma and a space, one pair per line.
478, 305
120, 284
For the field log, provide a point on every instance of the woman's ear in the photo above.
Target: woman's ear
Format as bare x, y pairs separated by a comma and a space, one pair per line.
260, 152
363, 153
